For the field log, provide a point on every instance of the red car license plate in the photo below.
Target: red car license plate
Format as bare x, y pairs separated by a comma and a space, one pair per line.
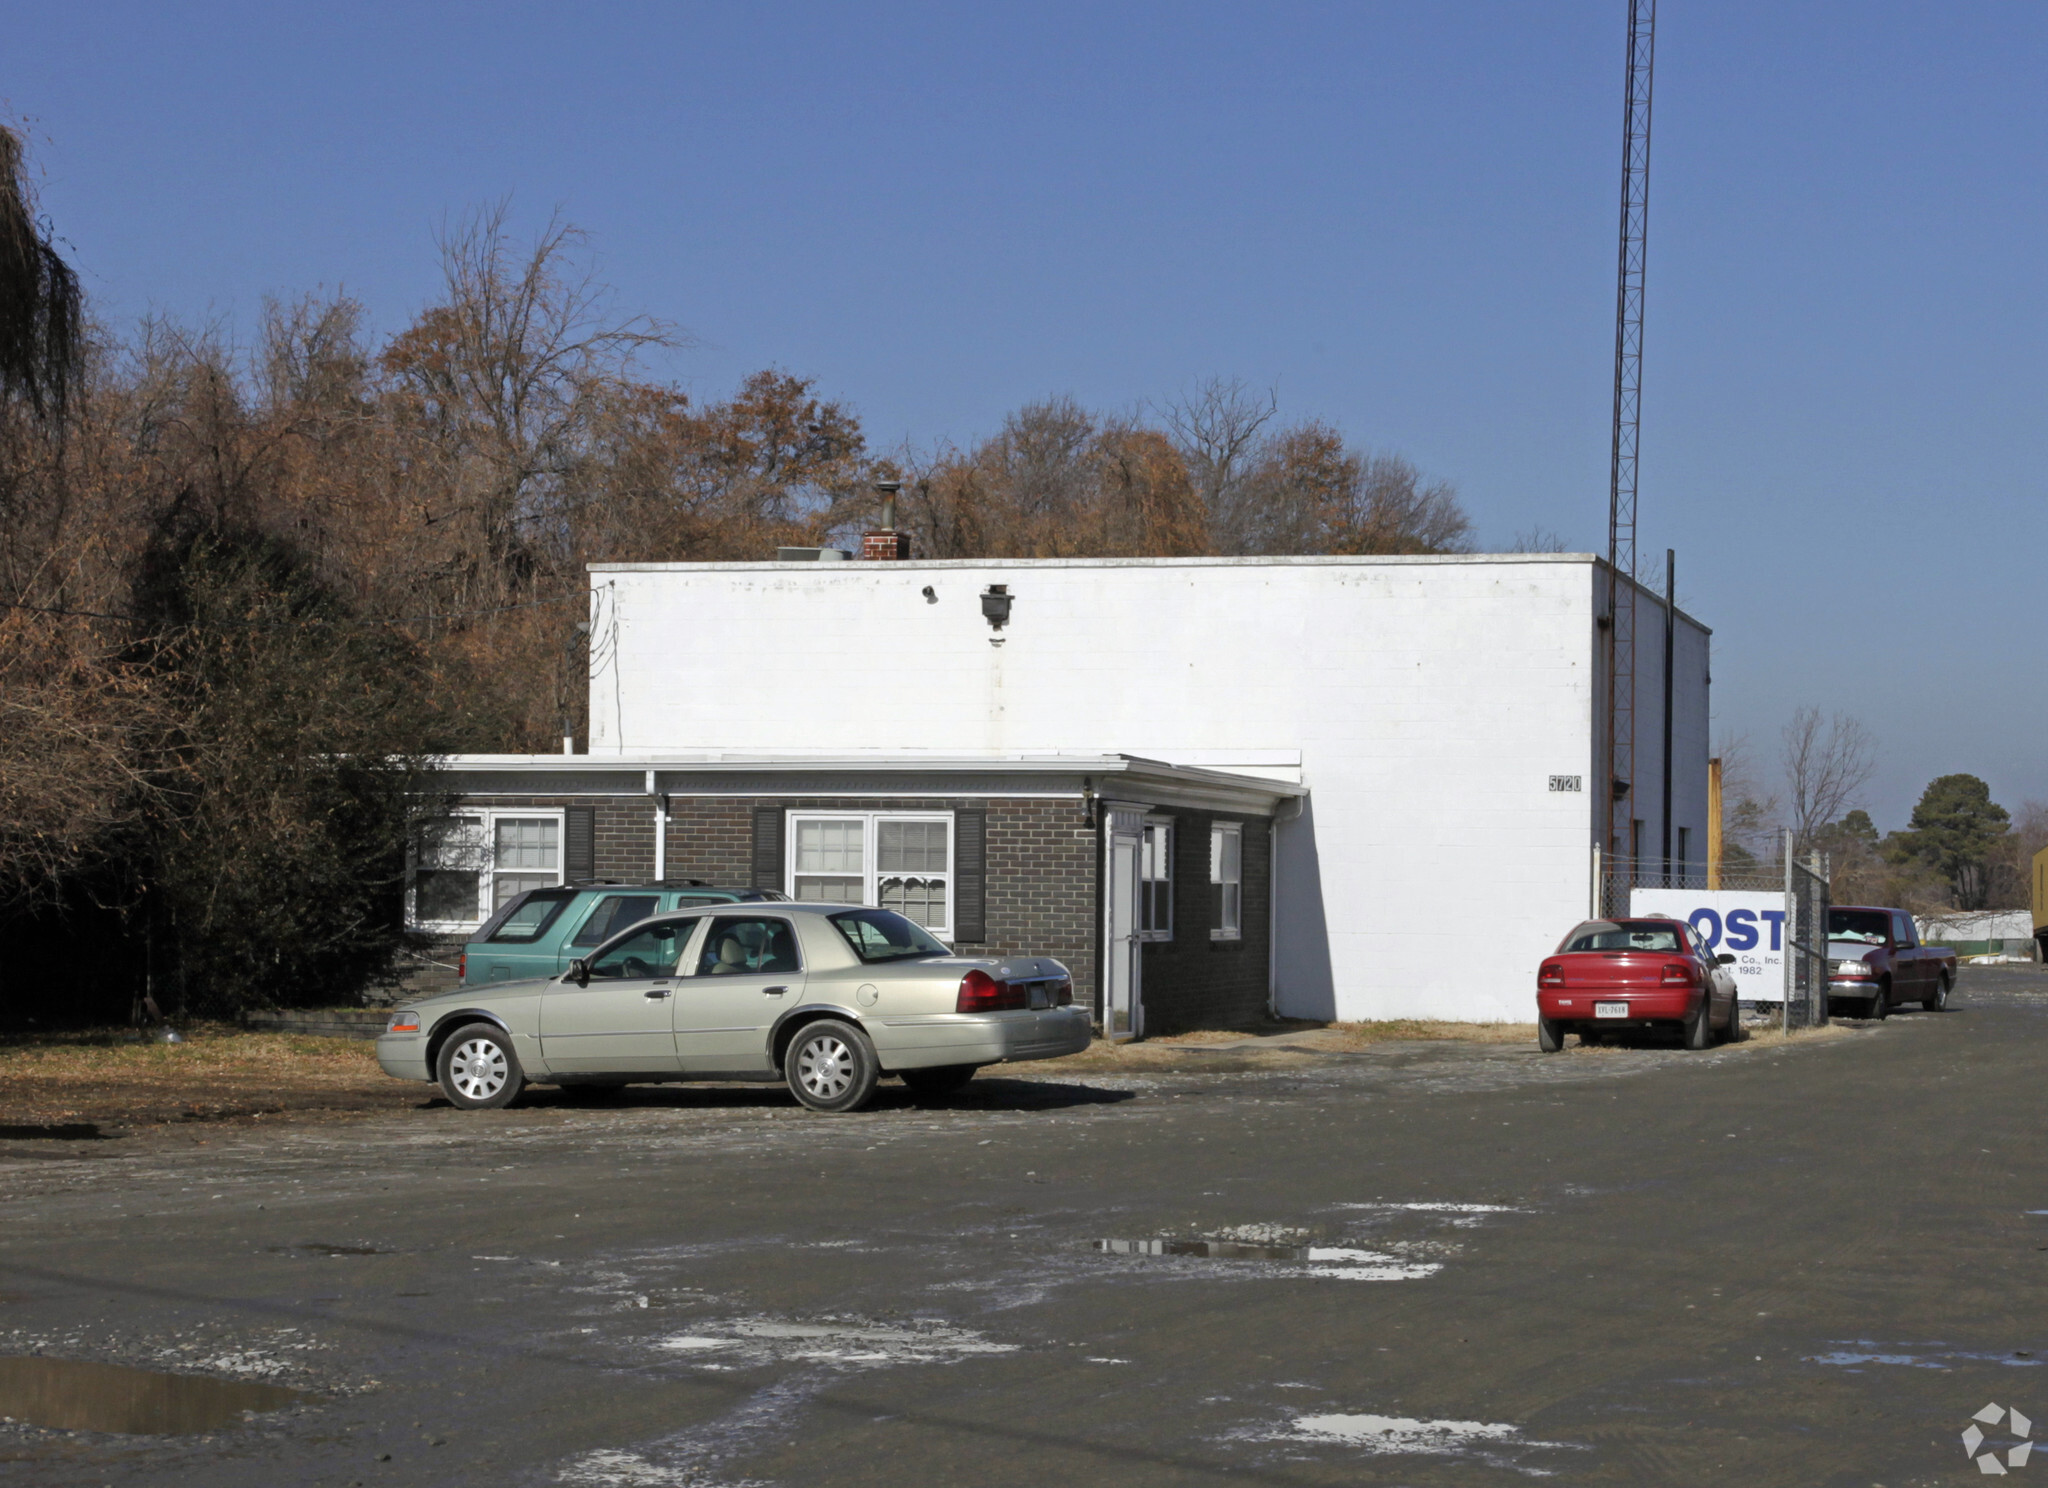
1610, 1010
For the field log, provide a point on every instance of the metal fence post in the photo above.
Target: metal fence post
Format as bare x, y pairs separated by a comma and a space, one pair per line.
1790, 955
1823, 901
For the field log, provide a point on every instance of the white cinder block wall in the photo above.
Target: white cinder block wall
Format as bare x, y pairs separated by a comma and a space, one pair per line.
1427, 701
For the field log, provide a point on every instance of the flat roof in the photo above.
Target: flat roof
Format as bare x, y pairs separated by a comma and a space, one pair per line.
1281, 560
1278, 560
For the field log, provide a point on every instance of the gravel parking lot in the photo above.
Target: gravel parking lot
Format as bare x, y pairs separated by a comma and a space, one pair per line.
1407, 1263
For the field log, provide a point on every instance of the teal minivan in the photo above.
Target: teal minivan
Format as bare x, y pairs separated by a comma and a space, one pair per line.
539, 933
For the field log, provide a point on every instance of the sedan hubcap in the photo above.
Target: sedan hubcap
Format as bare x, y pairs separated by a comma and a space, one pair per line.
478, 1069
826, 1067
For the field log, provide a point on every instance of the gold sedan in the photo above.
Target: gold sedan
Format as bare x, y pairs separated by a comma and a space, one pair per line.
827, 997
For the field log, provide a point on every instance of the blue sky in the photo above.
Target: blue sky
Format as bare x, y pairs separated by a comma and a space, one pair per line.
1401, 217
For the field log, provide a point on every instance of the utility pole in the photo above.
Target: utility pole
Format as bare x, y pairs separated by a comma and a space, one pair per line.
1628, 386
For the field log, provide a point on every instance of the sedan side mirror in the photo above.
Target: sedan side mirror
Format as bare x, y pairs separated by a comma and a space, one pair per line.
579, 972
1724, 960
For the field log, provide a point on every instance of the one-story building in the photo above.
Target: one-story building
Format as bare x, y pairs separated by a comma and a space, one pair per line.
1333, 788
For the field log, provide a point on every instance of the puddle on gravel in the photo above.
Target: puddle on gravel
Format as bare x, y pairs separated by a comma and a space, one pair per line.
1495, 1443
1855, 1354
315, 1248
843, 1342
1212, 1250
78, 1395
1328, 1262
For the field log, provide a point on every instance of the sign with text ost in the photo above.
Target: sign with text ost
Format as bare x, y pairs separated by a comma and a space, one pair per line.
1747, 925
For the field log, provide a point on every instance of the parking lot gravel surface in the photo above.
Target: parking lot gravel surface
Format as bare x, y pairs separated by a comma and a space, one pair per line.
1804, 1262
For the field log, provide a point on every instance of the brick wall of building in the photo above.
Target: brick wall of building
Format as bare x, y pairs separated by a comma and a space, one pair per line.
1042, 887
1192, 981
625, 829
1040, 863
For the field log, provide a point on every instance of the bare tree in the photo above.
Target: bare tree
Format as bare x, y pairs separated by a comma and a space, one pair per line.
41, 314
2010, 869
508, 374
1827, 763
1538, 539
1750, 810
1218, 430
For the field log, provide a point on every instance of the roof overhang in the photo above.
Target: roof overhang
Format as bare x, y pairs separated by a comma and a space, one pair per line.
1122, 776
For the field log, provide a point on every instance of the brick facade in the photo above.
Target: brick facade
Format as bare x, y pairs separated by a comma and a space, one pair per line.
1043, 895
1041, 858
1192, 981
625, 830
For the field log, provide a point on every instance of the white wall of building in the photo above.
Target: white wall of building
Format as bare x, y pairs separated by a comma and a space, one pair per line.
1427, 701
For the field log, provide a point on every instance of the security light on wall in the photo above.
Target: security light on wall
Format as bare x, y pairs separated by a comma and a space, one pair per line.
995, 605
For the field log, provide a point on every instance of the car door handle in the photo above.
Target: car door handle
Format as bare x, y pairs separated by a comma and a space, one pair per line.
655, 994
773, 991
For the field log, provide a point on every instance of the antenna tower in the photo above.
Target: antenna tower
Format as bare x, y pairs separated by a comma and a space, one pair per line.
1628, 389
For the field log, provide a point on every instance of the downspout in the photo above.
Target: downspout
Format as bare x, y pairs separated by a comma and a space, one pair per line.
660, 829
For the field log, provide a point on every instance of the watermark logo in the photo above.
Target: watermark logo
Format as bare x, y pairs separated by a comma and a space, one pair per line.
1987, 1462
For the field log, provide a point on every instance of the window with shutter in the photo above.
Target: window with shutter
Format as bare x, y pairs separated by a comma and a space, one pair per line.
970, 876
768, 847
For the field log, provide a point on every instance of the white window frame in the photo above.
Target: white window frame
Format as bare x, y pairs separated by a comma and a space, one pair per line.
1158, 829
870, 875
488, 818
1230, 918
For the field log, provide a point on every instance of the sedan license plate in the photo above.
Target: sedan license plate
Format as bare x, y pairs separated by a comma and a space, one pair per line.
1610, 1010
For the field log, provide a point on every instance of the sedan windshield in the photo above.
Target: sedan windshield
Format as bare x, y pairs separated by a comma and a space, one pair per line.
884, 935
1624, 935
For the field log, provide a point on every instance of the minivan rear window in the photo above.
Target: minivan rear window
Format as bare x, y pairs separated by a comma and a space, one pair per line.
527, 920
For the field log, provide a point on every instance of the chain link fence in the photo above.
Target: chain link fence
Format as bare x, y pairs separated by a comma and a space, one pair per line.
1806, 943
1801, 935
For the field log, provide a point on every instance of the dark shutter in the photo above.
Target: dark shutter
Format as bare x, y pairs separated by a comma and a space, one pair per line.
768, 848
579, 847
970, 876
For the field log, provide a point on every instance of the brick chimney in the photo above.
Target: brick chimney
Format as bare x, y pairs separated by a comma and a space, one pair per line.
885, 543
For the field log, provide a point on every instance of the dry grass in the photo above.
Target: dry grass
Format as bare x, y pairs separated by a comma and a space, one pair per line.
1275, 1045
1767, 1036
111, 1079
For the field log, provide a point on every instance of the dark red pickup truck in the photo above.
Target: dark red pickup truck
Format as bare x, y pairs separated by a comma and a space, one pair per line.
1875, 959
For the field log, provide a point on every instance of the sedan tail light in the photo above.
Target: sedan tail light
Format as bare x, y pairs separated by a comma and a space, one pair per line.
982, 993
1679, 974
1551, 976
1063, 993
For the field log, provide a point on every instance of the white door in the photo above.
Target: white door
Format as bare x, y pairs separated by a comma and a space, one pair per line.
1123, 1010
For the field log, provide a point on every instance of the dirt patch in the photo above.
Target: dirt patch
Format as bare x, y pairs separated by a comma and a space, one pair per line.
77, 1087
1277, 1045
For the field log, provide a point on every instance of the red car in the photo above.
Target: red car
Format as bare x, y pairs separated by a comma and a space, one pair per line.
1611, 974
